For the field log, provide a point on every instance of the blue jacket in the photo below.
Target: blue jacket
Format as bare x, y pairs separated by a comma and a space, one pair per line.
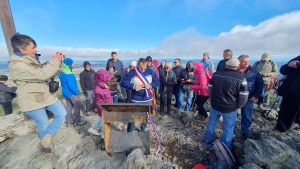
255, 82
118, 65
68, 82
130, 80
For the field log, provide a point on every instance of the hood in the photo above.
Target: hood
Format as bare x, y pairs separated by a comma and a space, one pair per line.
103, 76
155, 62
199, 67
190, 64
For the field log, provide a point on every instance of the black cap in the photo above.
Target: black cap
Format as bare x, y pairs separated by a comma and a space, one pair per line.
86, 63
149, 58
3, 77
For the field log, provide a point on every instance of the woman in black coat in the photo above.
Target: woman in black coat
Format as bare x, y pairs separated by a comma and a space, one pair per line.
168, 80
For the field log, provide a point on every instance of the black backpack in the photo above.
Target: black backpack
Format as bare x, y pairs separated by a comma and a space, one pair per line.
220, 156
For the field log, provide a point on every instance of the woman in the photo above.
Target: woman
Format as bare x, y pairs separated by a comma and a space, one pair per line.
200, 90
168, 80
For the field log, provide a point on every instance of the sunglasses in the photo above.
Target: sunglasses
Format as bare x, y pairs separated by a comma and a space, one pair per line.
175, 62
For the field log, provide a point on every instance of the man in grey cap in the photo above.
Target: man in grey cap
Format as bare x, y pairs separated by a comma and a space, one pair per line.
228, 91
206, 59
266, 68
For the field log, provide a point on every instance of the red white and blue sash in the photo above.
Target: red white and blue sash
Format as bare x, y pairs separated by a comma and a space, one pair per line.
155, 133
144, 80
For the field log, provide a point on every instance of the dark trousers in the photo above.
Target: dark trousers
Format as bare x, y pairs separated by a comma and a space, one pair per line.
73, 102
176, 89
297, 119
165, 99
288, 110
129, 93
200, 100
7, 107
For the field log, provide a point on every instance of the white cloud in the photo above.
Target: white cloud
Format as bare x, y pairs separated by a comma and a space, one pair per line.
279, 35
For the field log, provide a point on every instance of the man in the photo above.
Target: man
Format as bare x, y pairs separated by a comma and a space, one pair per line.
255, 85
128, 92
87, 83
142, 91
228, 91
116, 62
206, 59
227, 54
266, 68
7, 94
33, 93
71, 92
290, 92
177, 70
187, 77
152, 66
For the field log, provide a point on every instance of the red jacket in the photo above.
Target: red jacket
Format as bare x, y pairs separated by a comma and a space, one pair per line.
201, 82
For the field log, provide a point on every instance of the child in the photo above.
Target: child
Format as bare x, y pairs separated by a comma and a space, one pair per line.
168, 80
7, 94
102, 95
115, 89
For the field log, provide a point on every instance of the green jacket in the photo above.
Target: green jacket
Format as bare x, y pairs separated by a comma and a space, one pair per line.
270, 68
31, 79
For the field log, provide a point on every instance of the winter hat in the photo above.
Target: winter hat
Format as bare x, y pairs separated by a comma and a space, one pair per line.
86, 63
266, 56
169, 64
149, 58
206, 53
133, 63
3, 78
233, 62
68, 62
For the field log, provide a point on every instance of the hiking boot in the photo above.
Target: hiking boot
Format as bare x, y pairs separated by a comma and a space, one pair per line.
198, 117
52, 139
259, 107
246, 135
83, 122
204, 120
296, 126
93, 131
45, 144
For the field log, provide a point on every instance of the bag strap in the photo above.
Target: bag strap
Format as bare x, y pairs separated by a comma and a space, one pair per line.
224, 150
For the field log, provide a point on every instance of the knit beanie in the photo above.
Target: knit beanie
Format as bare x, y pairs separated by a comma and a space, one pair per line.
3, 78
86, 63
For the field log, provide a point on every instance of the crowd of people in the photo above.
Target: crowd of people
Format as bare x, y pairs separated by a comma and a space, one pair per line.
233, 85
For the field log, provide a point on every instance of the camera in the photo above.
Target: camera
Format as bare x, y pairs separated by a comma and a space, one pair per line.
53, 85
37, 54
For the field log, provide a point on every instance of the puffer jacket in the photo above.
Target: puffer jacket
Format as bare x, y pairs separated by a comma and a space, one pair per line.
102, 93
31, 79
7, 93
168, 80
255, 82
229, 90
269, 67
200, 84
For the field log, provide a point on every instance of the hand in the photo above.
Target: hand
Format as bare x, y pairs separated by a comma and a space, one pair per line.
293, 63
58, 56
85, 93
147, 86
189, 80
253, 99
264, 74
138, 88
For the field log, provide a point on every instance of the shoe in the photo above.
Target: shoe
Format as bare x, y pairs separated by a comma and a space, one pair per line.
296, 126
45, 144
275, 131
93, 131
83, 122
246, 135
88, 113
204, 120
198, 117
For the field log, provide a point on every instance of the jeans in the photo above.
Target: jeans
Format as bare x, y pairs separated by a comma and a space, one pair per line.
229, 120
130, 125
189, 97
246, 112
115, 99
261, 99
7, 107
99, 123
41, 119
176, 89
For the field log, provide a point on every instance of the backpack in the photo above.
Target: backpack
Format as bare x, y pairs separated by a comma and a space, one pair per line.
220, 156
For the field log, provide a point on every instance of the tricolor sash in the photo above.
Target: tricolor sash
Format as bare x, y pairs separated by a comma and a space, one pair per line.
144, 80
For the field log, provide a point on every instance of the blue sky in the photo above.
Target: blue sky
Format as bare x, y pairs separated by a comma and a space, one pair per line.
160, 28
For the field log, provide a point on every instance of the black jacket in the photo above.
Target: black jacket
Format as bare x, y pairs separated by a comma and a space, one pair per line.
160, 69
168, 80
87, 80
177, 70
185, 75
292, 80
228, 90
7, 93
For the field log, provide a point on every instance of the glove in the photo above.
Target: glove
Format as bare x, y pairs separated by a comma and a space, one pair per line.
85, 93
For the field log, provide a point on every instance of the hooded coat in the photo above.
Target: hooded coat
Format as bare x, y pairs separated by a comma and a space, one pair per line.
102, 93
201, 81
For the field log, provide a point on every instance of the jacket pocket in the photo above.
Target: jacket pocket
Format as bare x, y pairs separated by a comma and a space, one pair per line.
39, 97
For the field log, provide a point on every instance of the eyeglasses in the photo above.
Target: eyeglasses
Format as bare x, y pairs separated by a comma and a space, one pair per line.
167, 68
175, 62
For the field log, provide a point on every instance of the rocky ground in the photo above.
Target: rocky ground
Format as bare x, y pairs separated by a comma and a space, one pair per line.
181, 138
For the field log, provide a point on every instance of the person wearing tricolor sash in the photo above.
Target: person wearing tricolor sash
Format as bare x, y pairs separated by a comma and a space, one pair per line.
142, 80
